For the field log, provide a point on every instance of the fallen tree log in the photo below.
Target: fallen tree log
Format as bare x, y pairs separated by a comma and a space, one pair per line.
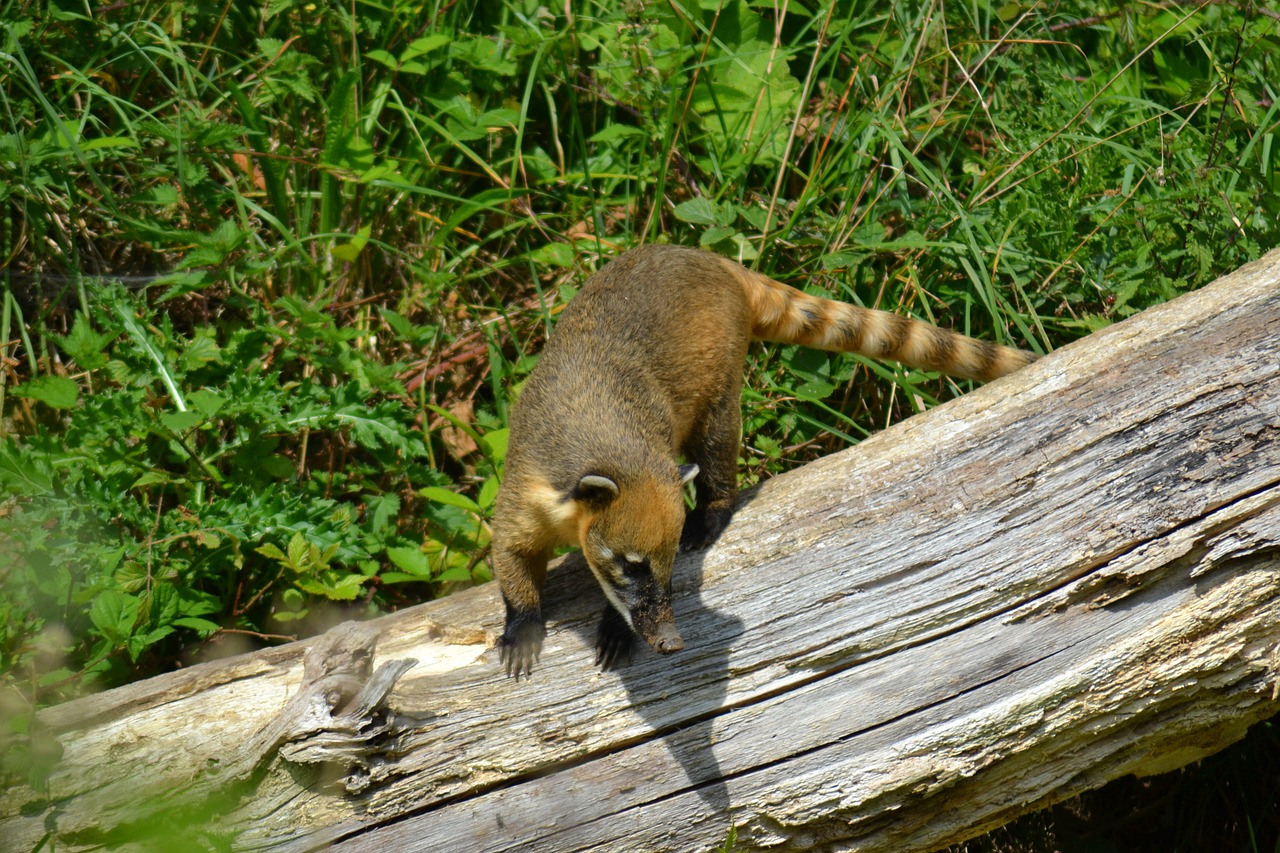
1066, 576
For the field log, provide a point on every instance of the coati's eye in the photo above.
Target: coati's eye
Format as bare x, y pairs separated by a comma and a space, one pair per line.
635, 566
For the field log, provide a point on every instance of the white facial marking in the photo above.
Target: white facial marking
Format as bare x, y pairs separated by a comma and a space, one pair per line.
607, 586
605, 576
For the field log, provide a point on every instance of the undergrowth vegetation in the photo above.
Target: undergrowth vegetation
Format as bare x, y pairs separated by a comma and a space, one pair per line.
272, 272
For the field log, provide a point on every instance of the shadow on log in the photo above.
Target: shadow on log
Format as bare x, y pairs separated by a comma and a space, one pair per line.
1066, 576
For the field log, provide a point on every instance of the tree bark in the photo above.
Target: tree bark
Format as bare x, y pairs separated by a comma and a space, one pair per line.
1063, 577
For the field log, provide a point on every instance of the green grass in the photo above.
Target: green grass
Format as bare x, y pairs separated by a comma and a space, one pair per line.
271, 273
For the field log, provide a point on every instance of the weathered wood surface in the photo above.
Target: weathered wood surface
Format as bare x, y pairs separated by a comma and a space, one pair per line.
1063, 577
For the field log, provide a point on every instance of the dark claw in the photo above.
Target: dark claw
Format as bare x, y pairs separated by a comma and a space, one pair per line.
615, 640
520, 645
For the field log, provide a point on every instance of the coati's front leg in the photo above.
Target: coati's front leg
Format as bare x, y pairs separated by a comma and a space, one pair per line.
615, 640
714, 448
520, 577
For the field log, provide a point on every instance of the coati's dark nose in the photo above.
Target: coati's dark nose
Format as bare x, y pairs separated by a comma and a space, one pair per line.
666, 639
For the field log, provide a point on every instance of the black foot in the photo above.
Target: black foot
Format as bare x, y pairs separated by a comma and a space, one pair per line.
521, 643
615, 640
702, 527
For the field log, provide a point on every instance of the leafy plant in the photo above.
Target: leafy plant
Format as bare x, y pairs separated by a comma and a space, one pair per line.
197, 475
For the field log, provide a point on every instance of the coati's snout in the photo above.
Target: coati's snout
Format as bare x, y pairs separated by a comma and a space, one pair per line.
652, 617
665, 639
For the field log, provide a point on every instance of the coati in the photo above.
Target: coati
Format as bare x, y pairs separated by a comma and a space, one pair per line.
644, 369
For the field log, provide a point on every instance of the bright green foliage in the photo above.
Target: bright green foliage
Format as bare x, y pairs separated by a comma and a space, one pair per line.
200, 475
273, 272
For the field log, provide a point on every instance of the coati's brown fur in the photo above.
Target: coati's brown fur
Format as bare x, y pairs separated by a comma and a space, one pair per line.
645, 368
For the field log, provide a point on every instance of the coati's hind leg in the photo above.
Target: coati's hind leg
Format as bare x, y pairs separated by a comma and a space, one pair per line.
520, 578
714, 447
615, 640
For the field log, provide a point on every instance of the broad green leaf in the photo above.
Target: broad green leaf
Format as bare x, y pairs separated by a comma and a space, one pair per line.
345, 588
180, 422
22, 469
744, 248
815, 391
299, 550
206, 402
425, 45
86, 345
382, 57
107, 142
114, 614
381, 513
494, 443
696, 211
58, 392
444, 496
401, 577
715, 234
203, 627
616, 131
193, 602
483, 54
151, 478
350, 250
182, 282
271, 552
488, 492
398, 323
554, 254
458, 573
411, 560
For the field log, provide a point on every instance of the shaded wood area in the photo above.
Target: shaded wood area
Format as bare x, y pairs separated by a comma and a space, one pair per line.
1066, 576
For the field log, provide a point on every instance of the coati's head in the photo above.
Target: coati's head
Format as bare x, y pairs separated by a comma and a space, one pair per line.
630, 534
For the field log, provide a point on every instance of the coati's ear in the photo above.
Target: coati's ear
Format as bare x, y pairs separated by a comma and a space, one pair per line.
595, 489
687, 473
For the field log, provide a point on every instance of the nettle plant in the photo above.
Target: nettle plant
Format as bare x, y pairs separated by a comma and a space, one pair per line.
186, 483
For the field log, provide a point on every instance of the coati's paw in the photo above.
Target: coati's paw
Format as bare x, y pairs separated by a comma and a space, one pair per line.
521, 644
702, 527
615, 640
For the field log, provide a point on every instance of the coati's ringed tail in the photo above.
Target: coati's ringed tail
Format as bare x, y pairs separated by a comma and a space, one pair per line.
787, 315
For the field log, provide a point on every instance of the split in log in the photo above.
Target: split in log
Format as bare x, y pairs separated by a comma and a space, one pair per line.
1069, 575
